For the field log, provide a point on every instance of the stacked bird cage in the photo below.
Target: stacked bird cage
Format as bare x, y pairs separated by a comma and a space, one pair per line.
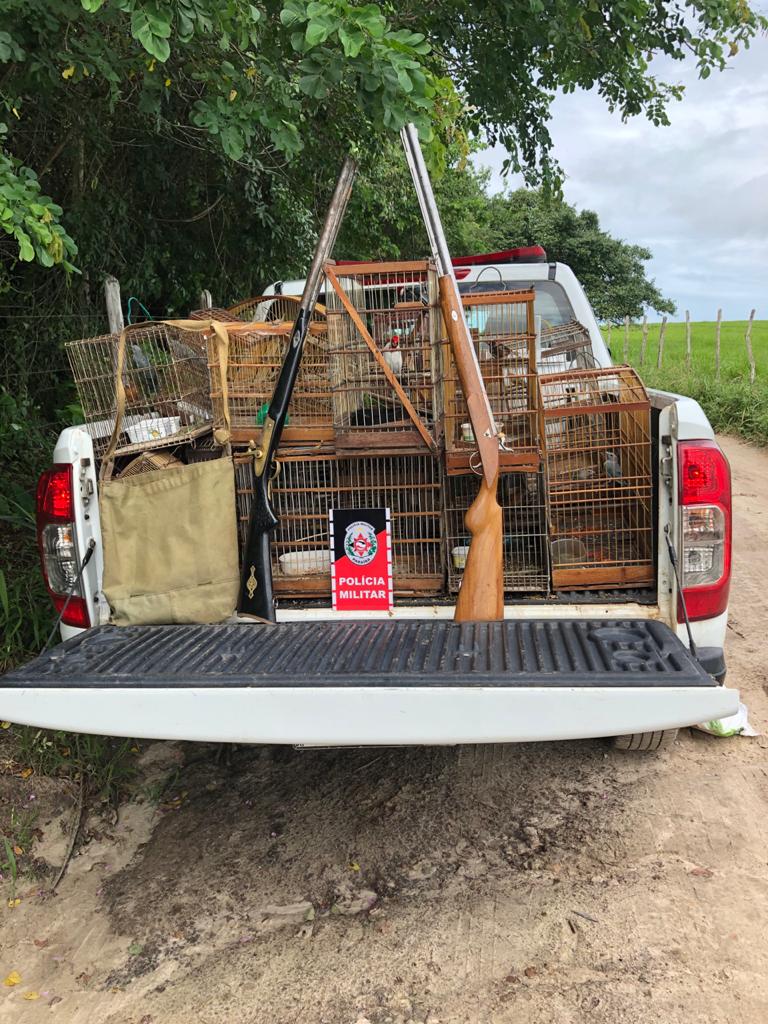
165, 379
254, 359
503, 331
308, 486
383, 335
526, 559
597, 449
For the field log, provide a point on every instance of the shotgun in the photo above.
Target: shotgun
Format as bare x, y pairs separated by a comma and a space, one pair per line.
256, 595
481, 595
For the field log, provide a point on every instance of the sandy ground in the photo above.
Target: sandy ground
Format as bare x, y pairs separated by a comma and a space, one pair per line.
529, 884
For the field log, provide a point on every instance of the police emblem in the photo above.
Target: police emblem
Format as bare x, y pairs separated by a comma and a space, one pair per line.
360, 544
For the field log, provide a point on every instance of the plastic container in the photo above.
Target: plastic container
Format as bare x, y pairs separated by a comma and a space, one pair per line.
459, 555
302, 563
570, 551
153, 429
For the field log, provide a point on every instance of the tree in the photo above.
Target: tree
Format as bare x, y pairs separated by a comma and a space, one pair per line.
278, 84
610, 270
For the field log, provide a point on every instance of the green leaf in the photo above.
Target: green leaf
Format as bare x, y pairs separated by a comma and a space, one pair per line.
26, 252
352, 41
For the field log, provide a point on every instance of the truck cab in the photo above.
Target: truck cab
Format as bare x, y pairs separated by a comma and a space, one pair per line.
632, 663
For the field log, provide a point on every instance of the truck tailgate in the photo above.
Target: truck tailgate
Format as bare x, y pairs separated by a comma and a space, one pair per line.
390, 681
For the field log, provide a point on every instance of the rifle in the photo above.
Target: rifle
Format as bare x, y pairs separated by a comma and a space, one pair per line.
256, 595
481, 595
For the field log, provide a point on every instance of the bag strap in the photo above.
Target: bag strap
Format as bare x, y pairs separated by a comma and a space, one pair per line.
222, 434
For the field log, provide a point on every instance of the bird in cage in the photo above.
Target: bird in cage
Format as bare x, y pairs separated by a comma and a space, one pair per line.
612, 466
145, 372
392, 352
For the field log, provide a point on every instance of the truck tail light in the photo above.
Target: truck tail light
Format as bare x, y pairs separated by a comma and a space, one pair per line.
56, 538
705, 498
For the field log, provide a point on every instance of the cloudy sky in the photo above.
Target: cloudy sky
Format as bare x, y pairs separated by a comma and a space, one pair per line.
695, 193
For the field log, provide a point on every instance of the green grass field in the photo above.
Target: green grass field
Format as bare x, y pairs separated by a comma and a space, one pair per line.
732, 404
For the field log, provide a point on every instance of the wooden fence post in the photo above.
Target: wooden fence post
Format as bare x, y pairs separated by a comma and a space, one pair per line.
626, 340
114, 304
688, 338
660, 354
205, 300
717, 343
644, 342
748, 343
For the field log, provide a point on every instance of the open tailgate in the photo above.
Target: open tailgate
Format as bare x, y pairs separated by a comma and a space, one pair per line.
391, 681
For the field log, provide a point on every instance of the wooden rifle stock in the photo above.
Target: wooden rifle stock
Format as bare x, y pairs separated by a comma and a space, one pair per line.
481, 595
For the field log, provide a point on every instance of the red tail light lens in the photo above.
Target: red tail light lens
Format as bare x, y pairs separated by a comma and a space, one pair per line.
705, 497
56, 539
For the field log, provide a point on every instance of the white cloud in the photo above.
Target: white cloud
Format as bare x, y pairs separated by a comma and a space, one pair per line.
695, 193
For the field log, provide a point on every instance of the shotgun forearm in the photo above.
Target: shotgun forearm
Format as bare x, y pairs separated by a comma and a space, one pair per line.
256, 596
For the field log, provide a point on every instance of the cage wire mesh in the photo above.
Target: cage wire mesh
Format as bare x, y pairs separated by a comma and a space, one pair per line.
383, 315
521, 496
254, 360
565, 347
503, 333
597, 446
307, 488
165, 377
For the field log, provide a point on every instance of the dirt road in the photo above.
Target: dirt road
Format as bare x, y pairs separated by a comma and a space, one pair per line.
531, 884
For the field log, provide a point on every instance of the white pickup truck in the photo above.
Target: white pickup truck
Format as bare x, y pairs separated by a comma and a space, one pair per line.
614, 663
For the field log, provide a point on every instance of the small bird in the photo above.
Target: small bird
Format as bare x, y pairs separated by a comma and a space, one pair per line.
145, 371
612, 466
587, 473
392, 354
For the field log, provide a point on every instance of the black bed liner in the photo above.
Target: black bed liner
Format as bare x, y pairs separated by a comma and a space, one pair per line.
434, 653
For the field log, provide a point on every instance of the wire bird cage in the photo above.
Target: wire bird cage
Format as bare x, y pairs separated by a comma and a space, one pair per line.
597, 447
526, 559
383, 336
307, 488
565, 347
165, 377
503, 331
254, 359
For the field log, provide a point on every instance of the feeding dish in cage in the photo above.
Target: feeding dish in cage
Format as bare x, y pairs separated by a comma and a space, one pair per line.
300, 563
153, 429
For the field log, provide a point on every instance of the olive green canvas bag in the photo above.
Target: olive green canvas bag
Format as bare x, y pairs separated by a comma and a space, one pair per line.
170, 536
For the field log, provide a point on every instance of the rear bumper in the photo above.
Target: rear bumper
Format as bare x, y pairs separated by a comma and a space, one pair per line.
360, 716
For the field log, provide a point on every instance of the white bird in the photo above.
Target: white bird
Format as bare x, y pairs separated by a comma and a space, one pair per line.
612, 466
392, 354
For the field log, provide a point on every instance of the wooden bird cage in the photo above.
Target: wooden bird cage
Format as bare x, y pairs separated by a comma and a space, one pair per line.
267, 308
254, 360
308, 486
503, 332
526, 557
165, 377
383, 337
597, 449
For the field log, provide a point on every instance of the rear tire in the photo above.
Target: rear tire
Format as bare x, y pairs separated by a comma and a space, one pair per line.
646, 741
